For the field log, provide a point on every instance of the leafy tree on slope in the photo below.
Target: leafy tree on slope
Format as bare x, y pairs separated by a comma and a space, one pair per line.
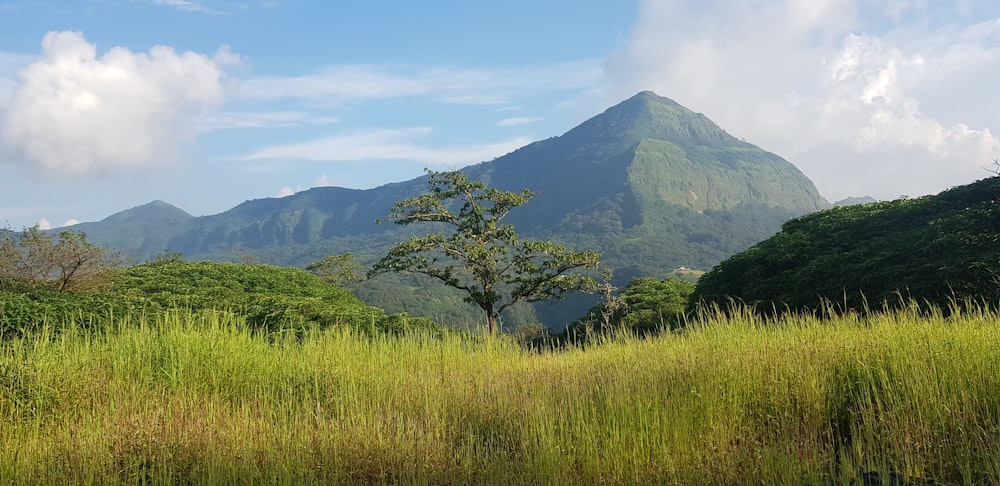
478, 254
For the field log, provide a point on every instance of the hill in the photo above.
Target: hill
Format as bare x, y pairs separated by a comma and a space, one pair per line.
852, 201
648, 183
932, 249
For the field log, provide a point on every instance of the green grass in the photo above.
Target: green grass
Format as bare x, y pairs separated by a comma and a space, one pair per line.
195, 398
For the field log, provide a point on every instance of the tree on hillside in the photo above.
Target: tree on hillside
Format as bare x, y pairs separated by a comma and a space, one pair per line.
646, 305
337, 270
995, 168
478, 254
66, 261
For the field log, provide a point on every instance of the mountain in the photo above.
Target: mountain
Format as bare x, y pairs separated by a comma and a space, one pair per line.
645, 157
933, 249
648, 183
142, 231
852, 201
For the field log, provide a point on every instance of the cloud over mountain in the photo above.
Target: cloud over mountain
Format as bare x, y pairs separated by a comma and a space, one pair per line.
898, 91
76, 113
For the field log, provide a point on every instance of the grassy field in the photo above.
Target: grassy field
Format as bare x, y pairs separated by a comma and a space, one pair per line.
185, 398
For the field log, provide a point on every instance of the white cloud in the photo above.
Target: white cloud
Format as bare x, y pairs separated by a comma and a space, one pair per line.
71, 222
6, 91
325, 181
74, 113
10, 65
386, 144
285, 192
44, 224
518, 120
885, 105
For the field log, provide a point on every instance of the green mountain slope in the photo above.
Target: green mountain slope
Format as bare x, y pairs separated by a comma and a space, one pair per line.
142, 231
932, 249
642, 160
648, 183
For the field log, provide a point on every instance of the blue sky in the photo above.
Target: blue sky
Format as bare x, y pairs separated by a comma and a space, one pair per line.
109, 104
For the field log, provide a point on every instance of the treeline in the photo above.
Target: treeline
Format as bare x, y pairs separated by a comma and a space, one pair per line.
48, 281
52, 280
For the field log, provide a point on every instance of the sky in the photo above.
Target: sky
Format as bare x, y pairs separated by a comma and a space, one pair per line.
109, 104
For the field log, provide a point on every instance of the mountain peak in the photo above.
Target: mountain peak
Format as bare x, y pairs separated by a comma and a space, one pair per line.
156, 210
650, 97
647, 115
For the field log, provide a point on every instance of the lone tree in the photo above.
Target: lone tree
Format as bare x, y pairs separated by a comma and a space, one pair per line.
481, 256
66, 261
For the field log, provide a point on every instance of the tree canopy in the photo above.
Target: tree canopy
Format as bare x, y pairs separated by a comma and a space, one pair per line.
475, 252
646, 305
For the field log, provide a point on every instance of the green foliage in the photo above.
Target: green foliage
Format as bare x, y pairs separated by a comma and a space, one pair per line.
934, 249
656, 304
269, 297
646, 305
266, 298
482, 256
27, 311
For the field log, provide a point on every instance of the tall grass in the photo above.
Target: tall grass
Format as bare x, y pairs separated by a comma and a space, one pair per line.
195, 398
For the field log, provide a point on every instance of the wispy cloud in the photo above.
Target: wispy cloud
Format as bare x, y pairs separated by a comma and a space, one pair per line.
449, 84
518, 120
186, 5
386, 144
260, 119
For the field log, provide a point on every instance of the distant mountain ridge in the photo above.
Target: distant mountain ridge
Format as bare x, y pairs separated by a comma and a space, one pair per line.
854, 201
648, 183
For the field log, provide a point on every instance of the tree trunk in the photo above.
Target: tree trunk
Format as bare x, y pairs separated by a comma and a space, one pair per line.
491, 321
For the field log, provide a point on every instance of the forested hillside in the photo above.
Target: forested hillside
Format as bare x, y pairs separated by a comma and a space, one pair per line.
933, 249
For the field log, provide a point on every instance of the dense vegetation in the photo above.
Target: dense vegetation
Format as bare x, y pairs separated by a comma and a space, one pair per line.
267, 298
934, 249
188, 397
645, 306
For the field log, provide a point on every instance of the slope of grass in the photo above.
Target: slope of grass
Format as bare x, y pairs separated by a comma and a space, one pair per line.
183, 397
